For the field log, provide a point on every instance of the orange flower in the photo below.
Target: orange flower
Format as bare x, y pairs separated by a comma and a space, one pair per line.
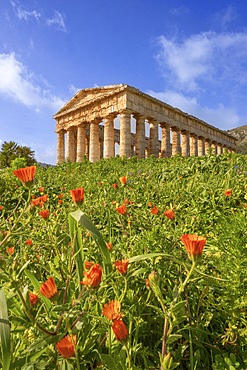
60, 196
88, 264
115, 186
42, 189
154, 211
123, 180
40, 200
111, 310
228, 192
120, 330
29, 242
93, 276
1, 208
60, 201
49, 288
10, 250
77, 196
194, 244
121, 209
44, 213
66, 346
150, 204
108, 246
25, 175
169, 213
122, 266
33, 298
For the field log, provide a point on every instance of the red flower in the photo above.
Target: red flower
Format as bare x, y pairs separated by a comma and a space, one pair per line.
194, 244
123, 180
49, 288
122, 266
1, 208
109, 246
88, 264
154, 211
40, 200
29, 242
60, 201
121, 209
150, 204
42, 189
33, 298
10, 250
92, 278
66, 346
228, 192
115, 186
111, 310
120, 330
60, 196
77, 195
25, 175
169, 213
44, 213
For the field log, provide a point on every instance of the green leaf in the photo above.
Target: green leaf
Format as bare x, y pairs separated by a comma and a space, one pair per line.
108, 361
173, 338
84, 221
4, 332
36, 286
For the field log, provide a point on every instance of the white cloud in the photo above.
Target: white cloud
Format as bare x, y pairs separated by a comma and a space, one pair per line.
203, 56
225, 17
57, 20
24, 14
17, 83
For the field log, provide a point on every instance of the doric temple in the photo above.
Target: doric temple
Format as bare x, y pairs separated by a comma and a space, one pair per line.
87, 126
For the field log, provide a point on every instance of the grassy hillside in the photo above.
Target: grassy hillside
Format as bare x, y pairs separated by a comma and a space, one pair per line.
179, 309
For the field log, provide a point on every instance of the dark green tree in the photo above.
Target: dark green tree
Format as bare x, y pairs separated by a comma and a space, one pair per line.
11, 150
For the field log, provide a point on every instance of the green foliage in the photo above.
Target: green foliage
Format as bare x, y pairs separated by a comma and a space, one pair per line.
11, 151
192, 316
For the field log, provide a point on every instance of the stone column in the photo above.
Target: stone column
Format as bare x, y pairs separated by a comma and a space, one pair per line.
193, 145
70, 145
101, 148
154, 139
214, 148
109, 144
207, 146
60, 146
125, 134
94, 145
185, 147
81, 141
176, 149
165, 140
140, 136
219, 149
201, 146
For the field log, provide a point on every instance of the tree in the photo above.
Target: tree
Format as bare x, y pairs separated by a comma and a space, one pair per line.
11, 150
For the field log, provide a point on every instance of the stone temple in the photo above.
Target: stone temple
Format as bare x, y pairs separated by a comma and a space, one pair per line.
87, 126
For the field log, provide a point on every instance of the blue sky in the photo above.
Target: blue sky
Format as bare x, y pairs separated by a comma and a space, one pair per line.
191, 54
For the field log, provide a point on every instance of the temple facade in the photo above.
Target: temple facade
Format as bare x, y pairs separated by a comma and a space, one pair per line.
87, 126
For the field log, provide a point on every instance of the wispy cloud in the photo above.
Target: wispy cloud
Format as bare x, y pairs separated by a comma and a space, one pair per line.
17, 83
200, 57
225, 17
58, 20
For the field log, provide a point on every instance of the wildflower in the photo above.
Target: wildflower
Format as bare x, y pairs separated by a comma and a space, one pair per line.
147, 283
169, 213
228, 192
88, 264
40, 200
49, 288
99, 183
77, 196
42, 189
194, 245
60, 196
109, 246
29, 242
92, 278
33, 298
111, 310
122, 266
25, 175
150, 204
123, 180
115, 186
59, 201
1, 208
44, 213
121, 209
10, 250
154, 211
66, 346
120, 330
